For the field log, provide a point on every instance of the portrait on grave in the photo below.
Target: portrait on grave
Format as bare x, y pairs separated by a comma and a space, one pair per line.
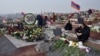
20, 26
29, 18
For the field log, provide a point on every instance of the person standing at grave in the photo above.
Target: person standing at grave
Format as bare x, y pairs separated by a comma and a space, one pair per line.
80, 19
86, 15
45, 20
40, 21
54, 17
49, 22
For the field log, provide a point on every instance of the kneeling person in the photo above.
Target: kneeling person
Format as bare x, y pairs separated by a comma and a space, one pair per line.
82, 32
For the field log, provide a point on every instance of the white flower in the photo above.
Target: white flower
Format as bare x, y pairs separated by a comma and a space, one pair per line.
24, 37
15, 32
95, 28
30, 35
70, 43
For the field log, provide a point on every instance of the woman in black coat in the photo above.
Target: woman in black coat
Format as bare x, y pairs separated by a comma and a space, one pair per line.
82, 32
40, 21
68, 26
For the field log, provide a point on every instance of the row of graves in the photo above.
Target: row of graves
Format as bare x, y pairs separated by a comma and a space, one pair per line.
69, 38
55, 39
93, 21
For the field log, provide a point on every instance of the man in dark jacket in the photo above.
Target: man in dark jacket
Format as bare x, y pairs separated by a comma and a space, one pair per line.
83, 32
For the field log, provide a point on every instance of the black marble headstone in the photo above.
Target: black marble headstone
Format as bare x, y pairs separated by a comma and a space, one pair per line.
57, 32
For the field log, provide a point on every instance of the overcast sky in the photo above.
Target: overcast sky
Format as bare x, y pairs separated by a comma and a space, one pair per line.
38, 6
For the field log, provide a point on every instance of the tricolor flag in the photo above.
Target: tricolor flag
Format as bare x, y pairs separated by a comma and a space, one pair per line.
75, 5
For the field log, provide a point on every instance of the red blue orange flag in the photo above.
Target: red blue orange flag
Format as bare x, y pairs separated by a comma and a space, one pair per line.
75, 5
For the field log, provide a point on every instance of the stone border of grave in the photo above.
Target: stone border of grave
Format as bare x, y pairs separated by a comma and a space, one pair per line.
95, 35
93, 44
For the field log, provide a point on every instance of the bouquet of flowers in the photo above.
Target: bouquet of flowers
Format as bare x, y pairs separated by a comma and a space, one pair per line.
71, 48
96, 29
73, 51
59, 43
17, 34
30, 34
33, 34
2, 31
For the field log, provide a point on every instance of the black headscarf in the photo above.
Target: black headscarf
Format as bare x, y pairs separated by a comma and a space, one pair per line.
40, 20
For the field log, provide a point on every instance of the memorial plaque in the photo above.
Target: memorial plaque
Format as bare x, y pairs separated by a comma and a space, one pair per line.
29, 18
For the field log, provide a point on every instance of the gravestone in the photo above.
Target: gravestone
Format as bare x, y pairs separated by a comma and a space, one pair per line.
57, 32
